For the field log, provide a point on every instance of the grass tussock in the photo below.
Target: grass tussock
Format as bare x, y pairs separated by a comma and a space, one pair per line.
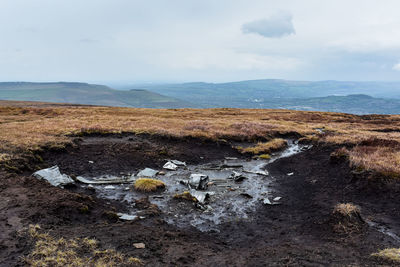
385, 160
186, 196
148, 185
346, 209
50, 251
390, 254
265, 148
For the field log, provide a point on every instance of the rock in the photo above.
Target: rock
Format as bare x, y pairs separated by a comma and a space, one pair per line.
246, 195
54, 176
147, 172
198, 181
139, 245
170, 166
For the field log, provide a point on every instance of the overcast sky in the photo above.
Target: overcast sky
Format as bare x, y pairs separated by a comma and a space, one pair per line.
199, 40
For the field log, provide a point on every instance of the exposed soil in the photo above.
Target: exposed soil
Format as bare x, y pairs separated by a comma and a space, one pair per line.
299, 232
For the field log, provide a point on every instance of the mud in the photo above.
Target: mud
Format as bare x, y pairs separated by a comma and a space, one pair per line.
298, 232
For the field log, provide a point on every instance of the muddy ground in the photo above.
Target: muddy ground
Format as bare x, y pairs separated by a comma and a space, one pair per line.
299, 232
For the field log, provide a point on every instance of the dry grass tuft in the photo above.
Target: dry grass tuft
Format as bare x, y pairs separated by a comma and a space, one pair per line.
50, 251
385, 160
264, 156
346, 209
391, 254
347, 218
268, 147
148, 185
186, 196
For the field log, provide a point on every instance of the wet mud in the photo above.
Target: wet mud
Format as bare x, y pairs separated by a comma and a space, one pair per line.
238, 230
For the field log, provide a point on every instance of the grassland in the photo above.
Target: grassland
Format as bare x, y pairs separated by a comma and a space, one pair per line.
373, 140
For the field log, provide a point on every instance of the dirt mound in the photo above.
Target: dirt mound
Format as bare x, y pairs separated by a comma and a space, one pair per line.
346, 218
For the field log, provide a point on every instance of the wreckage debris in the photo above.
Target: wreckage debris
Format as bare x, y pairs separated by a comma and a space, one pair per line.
126, 217
178, 163
54, 176
170, 166
106, 180
147, 172
198, 181
109, 187
237, 176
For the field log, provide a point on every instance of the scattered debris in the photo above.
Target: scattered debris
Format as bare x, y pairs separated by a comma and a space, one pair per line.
237, 176
139, 245
106, 180
170, 166
231, 158
266, 201
147, 172
178, 163
256, 171
290, 173
231, 164
109, 187
198, 181
126, 217
91, 162
54, 176
200, 196
246, 195
277, 198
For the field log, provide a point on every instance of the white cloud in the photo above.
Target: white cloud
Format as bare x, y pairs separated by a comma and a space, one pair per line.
276, 26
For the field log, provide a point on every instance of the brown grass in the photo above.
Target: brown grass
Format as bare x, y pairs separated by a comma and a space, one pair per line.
50, 251
391, 254
148, 185
186, 196
265, 148
346, 209
29, 126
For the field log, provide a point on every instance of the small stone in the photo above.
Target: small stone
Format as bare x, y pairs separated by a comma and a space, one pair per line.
139, 245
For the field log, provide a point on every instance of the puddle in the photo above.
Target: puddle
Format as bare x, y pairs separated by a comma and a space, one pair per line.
228, 201
384, 230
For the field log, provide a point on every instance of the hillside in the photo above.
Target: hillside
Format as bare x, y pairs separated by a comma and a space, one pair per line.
83, 93
303, 95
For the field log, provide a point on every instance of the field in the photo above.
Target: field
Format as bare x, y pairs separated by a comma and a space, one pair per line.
353, 159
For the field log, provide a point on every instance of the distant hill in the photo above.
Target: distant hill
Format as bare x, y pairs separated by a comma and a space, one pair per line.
83, 93
222, 94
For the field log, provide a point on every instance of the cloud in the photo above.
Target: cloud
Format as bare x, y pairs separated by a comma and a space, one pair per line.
396, 66
276, 26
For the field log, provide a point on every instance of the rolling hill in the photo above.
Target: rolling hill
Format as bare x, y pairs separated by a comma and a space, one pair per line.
83, 93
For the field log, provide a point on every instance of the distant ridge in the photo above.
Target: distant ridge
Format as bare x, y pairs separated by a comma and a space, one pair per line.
84, 93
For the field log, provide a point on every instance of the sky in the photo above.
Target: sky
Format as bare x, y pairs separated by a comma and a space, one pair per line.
129, 41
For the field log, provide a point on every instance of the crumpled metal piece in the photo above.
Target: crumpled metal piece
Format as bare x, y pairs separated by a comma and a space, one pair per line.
198, 181
147, 172
53, 176
170, 166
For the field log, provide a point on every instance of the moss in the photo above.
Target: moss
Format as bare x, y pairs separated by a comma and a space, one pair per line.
148, 185
84, 209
